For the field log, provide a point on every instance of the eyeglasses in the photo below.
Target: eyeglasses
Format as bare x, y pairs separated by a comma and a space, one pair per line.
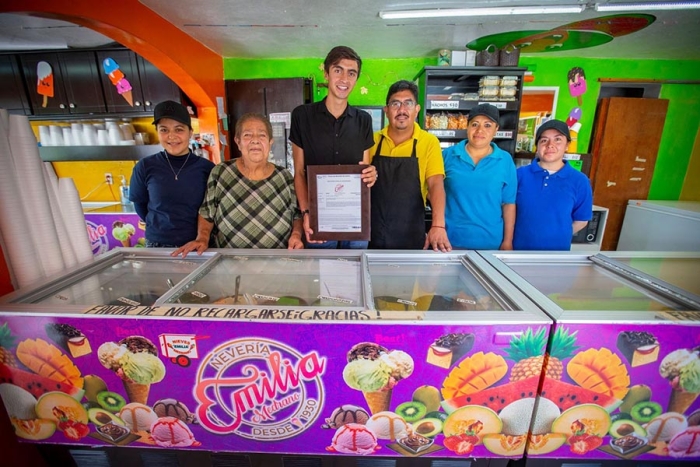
396, 105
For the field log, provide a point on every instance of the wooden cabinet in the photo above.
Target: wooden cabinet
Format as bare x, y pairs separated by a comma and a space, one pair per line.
13, 96
76, 81
149, 85
156, 86
448, 93
264, 96
117, 103
81, 86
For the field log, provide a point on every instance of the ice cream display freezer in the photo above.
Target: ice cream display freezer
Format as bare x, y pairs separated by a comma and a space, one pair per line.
624, 356
387, 354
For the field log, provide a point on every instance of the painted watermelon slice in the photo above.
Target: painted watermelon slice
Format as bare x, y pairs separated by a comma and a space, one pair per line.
566, 395
495, 398
37, 385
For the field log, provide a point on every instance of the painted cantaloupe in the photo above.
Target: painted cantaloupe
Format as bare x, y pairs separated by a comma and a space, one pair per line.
591, 418
53, 405
476, 419
544, 444
505, 445
36, 429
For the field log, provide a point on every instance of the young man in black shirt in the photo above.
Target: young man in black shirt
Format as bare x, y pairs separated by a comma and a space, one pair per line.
332, 132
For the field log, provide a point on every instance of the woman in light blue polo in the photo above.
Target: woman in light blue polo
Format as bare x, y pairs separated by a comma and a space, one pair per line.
481, 185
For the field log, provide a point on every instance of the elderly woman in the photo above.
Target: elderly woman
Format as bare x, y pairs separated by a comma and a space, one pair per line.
480, 186
249, 200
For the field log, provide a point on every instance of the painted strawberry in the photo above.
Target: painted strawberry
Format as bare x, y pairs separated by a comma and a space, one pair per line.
73, 430
583, 443
461, 444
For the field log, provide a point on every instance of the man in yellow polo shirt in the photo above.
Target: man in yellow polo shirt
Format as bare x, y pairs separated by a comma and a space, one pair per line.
410, 167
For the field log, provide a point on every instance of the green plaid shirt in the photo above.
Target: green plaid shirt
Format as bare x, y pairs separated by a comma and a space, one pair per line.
250, 213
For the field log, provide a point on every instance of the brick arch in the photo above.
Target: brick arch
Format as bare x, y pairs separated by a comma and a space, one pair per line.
194, 68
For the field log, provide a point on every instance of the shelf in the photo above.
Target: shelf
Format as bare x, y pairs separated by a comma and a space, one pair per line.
461, 73
97, 153
462, 134
468, 105
444, 89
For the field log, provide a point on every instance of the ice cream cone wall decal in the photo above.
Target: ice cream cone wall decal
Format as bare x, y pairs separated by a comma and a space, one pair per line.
116, 76
44, 83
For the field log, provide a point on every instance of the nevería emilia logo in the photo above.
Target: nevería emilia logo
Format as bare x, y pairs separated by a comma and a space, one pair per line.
260, 389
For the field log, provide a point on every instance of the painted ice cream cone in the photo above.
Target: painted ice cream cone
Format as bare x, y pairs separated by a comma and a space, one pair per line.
116, 76
123, 231
681, 400
378, 401
375, 371
128, 96
137, 392
135, 360
682, 368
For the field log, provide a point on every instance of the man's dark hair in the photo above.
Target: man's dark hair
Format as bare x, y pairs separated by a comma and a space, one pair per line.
339, 53
403, 85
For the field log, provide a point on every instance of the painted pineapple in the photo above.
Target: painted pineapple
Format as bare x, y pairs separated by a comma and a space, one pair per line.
527, 351
7, 342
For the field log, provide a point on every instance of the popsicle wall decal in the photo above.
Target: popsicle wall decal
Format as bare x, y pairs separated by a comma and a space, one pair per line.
118, 79
44, 84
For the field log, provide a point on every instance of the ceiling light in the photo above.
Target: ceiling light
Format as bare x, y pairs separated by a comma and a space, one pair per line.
496, 11
647, 6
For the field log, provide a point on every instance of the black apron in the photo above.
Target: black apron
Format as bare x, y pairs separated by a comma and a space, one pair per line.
398, 210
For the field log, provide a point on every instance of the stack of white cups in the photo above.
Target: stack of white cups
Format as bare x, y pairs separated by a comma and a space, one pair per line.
89, 135
67, 136
56, 135
45, 136
102, 138
77, 133
114, 134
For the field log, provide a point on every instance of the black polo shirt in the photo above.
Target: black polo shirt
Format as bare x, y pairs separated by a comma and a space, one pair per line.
327, 140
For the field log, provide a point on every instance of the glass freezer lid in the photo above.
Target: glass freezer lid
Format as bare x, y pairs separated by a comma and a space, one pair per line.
276, 280
584, 285
415, 285
131, 280
683, 273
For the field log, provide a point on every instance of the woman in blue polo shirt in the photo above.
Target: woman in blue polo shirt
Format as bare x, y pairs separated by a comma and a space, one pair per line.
480, 186
554, 200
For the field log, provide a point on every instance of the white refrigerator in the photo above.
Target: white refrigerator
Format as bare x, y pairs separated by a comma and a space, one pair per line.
661, 226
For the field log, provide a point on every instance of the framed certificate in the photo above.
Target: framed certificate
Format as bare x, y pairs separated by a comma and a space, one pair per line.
339, 203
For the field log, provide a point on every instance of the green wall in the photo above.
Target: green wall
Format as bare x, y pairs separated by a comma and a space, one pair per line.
375, 77
682, 120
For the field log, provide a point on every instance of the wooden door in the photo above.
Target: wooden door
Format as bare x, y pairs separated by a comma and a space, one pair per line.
625, 145
263, 96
